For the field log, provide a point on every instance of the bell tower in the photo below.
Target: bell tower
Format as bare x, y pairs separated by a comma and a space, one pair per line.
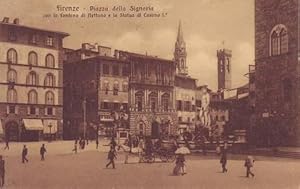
224, 69
180, 53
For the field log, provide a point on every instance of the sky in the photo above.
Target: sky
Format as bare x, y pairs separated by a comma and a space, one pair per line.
208, 25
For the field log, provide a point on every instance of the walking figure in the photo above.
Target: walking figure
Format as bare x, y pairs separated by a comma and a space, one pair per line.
6, 143
113, 143
111, 157
97, 143
75, 147
248, 164
223, 160
42, 152
24, 154
2, 171
179, 166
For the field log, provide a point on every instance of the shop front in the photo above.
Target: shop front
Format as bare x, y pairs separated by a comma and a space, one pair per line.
32, 129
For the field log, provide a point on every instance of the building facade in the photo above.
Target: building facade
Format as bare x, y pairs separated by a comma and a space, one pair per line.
151, 95
277, 72
31, 81
96, 93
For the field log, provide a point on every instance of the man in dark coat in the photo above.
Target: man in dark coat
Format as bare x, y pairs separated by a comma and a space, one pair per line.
111, 157
42, 152
24, 154
97, 143
223, 160
2, 171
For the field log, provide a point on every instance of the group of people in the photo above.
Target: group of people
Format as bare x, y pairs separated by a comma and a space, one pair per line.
249, 163
25, 153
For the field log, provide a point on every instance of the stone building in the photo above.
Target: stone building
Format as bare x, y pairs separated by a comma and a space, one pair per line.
31, 81
151, 95
96, 92
277, 68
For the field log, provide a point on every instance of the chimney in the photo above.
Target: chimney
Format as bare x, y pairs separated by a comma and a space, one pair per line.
5, 20
116, 54
16, 21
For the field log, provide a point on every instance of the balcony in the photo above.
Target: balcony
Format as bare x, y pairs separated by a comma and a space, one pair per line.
147, 81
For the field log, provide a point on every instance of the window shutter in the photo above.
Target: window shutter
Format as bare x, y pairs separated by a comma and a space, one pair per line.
28, 110
37, 111
53, 111
7, 109
46, 112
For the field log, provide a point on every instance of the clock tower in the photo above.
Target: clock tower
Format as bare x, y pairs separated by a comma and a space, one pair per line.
180, 53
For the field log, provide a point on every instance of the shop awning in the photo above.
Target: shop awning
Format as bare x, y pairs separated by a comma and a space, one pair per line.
33, 124
50, 126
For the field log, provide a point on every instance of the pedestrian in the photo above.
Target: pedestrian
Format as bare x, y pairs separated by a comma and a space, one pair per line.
179, 166
113, 143
140, 149
42, 152
97, 143
223, 160
111, 157
75, 147
249, 161
6, 143
24, 154
2, 171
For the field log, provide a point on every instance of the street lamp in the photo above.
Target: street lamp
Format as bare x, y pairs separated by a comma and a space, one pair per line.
50, 126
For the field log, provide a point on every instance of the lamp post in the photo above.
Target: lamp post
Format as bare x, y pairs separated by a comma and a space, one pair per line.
50, 126
84, 118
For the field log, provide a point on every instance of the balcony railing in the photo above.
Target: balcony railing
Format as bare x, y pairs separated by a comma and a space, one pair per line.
151, 82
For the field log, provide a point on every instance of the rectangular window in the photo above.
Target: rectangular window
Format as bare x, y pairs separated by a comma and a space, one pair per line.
12, 109
12, 36
33, 39
105, 69
115, 70
124, 71
116, 106
32, 110
105, 105
179, 105
49, 41
116, 91
179, 119
49, 111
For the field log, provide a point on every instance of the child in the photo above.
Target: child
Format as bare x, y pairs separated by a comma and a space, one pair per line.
248, 164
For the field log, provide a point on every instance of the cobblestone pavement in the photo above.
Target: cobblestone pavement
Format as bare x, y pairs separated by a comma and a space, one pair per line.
64, 170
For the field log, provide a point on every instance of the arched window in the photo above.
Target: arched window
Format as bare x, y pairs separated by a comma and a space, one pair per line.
139, 100
165, 99
32, 97
153, 101
32, 78
50, 61
283, 41
12, 96
116, 88
125, 86
49, 98
278, 40
49, 80
12, 56
33, 58
275, 44
12, 76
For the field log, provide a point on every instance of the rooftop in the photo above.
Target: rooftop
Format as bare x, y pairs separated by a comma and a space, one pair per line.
16, 24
